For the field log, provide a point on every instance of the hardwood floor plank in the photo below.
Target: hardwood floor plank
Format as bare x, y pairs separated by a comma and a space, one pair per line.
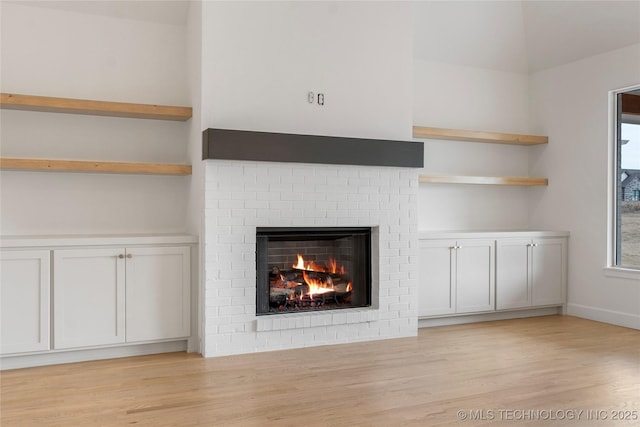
488, 370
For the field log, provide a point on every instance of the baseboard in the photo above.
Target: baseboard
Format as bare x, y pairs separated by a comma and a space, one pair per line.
82, 355
603, 315
487, 317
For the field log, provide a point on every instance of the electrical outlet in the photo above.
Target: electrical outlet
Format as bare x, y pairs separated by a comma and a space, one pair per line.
312, 98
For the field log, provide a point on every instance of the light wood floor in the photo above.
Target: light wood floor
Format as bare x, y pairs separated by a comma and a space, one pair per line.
507, 372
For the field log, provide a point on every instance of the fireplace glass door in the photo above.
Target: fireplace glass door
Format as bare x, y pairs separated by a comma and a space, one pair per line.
312, 269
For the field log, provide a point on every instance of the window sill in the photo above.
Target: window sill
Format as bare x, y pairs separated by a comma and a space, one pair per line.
622, 273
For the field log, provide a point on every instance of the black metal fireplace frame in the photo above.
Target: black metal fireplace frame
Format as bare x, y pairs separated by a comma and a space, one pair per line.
264, 234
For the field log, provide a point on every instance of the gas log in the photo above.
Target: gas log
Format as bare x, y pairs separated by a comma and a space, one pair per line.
298, 289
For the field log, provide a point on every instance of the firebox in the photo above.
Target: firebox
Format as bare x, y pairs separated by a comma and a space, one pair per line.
302, 269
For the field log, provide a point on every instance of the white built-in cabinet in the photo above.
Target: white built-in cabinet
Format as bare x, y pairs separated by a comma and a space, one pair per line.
482, 272
158, 293
24, 300
88, 297
118, 295
475, 272
80, 293
460, 275
467, 272
436, 294
530, 272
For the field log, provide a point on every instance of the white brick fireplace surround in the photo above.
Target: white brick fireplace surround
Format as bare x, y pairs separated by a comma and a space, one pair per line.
243, 195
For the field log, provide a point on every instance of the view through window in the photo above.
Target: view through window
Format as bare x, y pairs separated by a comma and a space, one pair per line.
628, 180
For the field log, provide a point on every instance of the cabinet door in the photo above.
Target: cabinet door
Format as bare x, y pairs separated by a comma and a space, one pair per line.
88, 295
548, 272
436, 292
475, 276
158, 293
513, 284
24, 301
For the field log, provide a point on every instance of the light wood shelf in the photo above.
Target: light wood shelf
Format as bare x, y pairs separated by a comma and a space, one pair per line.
10, 101
478, 136
50, 165
487, 180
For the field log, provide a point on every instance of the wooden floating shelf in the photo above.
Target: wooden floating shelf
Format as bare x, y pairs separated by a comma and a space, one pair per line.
478, 136
487, 180
48, 165
10, 101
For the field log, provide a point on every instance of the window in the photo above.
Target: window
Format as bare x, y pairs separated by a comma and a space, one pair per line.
627, 178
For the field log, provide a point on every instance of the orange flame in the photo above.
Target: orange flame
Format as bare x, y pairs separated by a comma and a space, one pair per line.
333, 267
309, 266
312, 266
316, 286
300, 264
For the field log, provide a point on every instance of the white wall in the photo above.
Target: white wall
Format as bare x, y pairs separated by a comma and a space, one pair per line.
194, 66
59, 53
257, 61
261, 58
195, 213
68, 54
570, 104
462, 97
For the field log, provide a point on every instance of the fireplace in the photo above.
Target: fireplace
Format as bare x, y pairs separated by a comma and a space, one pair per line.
301, 269
354, 197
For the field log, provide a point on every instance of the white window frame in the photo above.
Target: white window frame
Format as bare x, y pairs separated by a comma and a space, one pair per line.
611, 269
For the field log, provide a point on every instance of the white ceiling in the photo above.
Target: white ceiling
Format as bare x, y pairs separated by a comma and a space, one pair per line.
522, 36
509, 35
565, 31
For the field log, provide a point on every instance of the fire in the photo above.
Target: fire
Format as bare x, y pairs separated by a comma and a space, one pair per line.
309, 266
312, 266
333, 267
318, 281
317, 286
300, 264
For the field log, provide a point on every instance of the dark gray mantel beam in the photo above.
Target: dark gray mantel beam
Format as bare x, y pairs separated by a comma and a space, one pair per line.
227, 144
